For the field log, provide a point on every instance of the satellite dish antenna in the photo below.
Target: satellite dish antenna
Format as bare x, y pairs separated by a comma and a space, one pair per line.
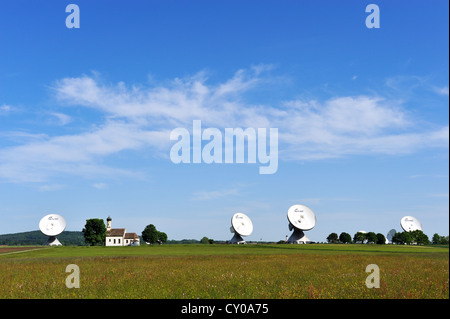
52, 225
241, 225
410, 223
301, 218
390, 235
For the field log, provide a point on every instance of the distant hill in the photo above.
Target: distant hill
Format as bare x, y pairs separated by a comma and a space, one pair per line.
67, 238
37, 238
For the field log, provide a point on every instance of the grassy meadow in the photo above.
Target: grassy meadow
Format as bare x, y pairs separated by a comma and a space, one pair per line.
227, 271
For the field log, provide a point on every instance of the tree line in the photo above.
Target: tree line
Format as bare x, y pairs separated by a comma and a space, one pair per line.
401, 238
439, 240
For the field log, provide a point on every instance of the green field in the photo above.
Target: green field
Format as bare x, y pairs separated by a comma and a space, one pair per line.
227, 271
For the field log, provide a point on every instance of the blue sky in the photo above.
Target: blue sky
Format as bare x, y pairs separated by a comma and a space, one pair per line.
362, 114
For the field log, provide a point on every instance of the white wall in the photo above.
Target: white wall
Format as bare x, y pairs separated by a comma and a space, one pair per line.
118, 241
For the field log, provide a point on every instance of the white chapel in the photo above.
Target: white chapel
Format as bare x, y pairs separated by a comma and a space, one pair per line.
119, 236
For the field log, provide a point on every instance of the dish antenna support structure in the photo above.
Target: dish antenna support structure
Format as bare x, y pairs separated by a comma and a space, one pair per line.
52, 225
241, 225
301, 218
390, 235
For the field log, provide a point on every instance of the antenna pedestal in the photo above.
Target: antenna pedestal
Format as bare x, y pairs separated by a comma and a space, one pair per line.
53, 241
237, 239
298, 237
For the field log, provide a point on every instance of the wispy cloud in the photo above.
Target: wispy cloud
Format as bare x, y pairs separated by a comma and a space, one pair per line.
63, 119
138, 117
352, 125
442, 90
209, 195
406, 85
6, 109
100, 185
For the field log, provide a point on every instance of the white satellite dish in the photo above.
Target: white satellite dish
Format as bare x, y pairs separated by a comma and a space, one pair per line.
410, 223
390, 235
301, 218
241, 225
52, 225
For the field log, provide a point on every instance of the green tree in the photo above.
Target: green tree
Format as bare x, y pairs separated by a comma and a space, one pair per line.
418, 237
402, 238
204, 240
151, 235
436, 240
345, 238
162, 237
359, 237
94, 231
332, 238
397, 238
381, 240
371, 237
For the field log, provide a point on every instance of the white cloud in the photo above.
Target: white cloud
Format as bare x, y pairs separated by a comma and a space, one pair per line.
442, 90
74, 154
209, 195
22, 137
406, 85
6, 109
137, 118
63, 119
100, 185
179, 102
352, 125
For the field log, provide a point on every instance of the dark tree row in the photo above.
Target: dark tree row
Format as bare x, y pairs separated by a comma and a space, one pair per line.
439, 240
404, 238
359, 237
408, 238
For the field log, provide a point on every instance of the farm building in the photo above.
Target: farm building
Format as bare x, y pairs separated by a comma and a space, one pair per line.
119, 236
